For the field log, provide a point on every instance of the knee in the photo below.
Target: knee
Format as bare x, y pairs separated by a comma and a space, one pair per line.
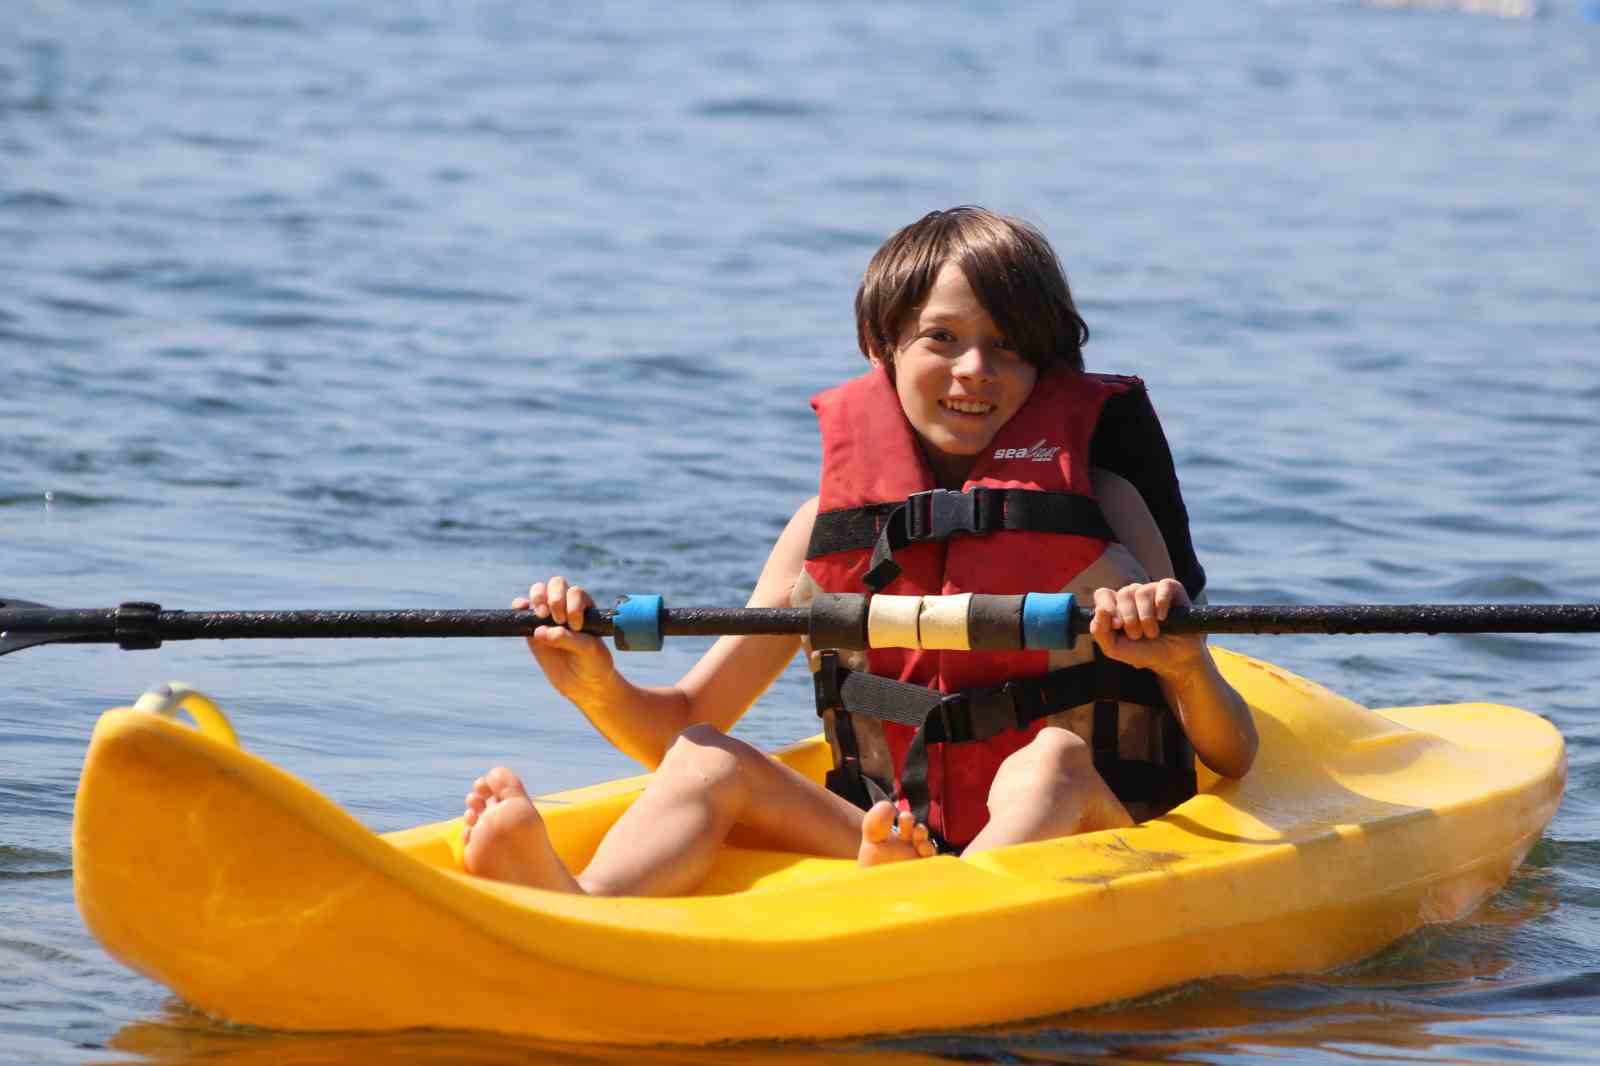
1059, 751
703, 757
1055, 761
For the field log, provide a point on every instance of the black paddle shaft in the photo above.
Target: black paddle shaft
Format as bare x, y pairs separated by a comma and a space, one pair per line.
145, 625
1386, 618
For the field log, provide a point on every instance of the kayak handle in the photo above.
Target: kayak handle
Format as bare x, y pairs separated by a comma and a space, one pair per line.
167, 700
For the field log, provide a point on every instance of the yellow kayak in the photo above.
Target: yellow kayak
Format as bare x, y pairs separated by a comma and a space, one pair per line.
259, 901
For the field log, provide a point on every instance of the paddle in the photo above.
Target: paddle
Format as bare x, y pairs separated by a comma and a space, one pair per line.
639, 622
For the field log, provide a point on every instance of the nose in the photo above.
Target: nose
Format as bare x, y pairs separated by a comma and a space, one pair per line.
976, 363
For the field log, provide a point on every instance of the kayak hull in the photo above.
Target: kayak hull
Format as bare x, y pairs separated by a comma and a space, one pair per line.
259, 901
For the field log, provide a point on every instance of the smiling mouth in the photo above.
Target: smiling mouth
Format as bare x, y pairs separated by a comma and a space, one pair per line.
971, 408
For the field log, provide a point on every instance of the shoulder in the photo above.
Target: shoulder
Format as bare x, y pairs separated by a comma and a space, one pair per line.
1122, 503
796, 535
806, 513
1120, 383
1127, 427
775, 586
1128, 515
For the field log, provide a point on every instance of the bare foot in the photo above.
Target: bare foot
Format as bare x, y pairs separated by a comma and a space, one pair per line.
505, 837
887, 838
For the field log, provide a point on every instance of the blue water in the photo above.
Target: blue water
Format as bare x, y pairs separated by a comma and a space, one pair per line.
408, 304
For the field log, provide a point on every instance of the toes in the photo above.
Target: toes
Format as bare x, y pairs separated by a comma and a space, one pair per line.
905, 826
503, 784
923, 842
877, 823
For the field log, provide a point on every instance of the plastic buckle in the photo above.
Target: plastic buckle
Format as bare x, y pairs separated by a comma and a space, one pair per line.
825, 683
955, 715
940, 513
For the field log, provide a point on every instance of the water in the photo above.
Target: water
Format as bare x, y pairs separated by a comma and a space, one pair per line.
406, 305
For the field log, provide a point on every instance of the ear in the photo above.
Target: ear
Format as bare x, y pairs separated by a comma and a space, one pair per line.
882, 360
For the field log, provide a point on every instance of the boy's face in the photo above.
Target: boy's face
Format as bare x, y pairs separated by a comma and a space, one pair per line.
958, 378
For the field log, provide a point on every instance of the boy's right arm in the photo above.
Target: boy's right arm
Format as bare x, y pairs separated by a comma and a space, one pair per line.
643, 721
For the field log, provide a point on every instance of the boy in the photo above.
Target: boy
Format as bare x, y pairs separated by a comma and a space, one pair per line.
976, 388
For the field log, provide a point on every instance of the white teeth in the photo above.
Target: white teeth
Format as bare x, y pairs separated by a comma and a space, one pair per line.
969, 407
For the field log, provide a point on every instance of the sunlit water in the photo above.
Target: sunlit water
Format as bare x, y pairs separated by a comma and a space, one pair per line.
404, 305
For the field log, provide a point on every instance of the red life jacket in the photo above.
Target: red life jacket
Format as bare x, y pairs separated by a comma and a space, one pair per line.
872, 463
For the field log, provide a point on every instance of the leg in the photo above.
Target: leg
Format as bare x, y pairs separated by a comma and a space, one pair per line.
666, 841
1048, 789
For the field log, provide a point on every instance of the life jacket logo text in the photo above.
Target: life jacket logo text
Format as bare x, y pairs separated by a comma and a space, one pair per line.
1040, 452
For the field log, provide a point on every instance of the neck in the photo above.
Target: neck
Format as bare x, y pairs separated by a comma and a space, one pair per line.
949, 471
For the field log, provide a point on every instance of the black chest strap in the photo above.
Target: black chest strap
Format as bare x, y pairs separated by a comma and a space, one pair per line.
939, 514
975, 715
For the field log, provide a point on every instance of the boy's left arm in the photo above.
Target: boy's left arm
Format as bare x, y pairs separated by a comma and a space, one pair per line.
1127, 626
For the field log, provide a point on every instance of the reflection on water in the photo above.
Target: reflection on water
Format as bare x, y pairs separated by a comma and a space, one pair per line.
181, 1037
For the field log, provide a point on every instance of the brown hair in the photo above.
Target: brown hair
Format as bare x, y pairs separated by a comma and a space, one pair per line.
1013, 272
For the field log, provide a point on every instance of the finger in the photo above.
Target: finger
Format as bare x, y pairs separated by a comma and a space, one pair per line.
1164, 598
538, 599
550, 638
1128, 613
1114, 608
520, 603
1101, 626
1144, 601
1180, 595
577, 601
1105, 611
562, 639
557, 591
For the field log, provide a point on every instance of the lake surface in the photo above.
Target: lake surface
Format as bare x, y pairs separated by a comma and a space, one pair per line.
406, 305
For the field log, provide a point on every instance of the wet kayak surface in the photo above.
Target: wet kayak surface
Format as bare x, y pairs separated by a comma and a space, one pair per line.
304, 306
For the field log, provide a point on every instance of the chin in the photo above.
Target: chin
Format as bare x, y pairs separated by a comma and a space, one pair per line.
965, 449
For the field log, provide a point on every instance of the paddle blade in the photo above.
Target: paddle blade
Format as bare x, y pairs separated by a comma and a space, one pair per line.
16, 640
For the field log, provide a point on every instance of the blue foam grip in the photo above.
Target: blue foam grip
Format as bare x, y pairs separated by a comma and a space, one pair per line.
637, 623
1047, 621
